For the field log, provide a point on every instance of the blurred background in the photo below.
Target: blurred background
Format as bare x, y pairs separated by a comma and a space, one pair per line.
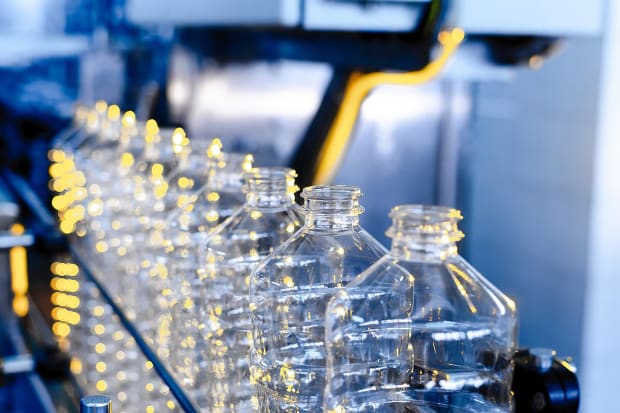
519, 130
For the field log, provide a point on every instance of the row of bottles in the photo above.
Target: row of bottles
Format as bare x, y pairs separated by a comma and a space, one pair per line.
258, 304
105, 357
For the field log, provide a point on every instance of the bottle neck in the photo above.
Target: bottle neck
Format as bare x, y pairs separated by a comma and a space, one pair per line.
226, 171
270, 188
269, 199
331, 221
332, 208
424, 233
411, 250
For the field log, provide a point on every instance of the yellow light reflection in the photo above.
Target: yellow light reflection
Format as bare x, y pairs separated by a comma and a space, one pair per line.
129, 119
114, 112
101, 106
100, 348
212, 216
213, 197
101, 385
67, 227
178, 136
127, 160
19, 274
64, 315
215, 148
65, 285
75, 366
64, 269
21, 305
61, 329
151, 130
95, 207
454, 271
157, 170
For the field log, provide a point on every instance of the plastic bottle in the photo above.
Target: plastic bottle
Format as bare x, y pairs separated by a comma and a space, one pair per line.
177, 264
267, 219
421, 330
289, 293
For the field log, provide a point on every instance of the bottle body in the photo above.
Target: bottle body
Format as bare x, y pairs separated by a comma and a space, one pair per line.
421, 330
289, 293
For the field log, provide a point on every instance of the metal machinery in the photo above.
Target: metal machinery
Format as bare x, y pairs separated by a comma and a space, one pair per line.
275, 77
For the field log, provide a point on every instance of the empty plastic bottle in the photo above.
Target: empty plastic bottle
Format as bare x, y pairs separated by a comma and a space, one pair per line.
178, 217
267, 219
177, 265
421, 330
289, 293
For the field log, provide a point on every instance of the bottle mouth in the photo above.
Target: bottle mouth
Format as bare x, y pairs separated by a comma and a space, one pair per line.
332, 199
426, 213
270, 179
428, 223
226, 170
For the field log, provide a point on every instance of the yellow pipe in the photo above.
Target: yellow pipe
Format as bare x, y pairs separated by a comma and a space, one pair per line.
357, 89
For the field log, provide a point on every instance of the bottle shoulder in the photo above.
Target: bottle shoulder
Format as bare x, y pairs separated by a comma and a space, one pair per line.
384, 272
307, 242
458, 289
313, 261
252, 231
247, 218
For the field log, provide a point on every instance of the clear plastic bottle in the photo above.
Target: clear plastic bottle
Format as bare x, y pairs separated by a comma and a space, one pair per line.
177, 261
421, 330
267, 219
289, 293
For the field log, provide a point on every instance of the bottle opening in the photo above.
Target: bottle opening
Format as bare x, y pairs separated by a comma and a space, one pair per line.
270, 174
427, 223
226, 170
332, 199
271, 180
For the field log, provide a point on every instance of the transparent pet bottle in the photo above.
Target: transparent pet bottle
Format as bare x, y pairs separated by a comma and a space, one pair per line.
421, 330
177, 197
126, 217
268, 218
175, 263
290, 290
